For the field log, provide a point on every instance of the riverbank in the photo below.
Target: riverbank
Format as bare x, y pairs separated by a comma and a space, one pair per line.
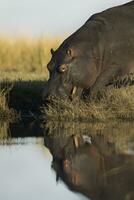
116, 104
23, 75
20, 93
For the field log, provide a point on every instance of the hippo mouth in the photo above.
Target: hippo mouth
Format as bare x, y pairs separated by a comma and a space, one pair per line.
73, 92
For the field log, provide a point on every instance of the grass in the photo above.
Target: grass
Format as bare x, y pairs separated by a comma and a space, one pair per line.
23, 67
6, 113
3, 105
115, 129
26, 92
4, 130
26, 54
116, 104
113, 137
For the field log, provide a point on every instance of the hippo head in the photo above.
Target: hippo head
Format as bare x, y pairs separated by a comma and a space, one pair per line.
69, 72
80, 166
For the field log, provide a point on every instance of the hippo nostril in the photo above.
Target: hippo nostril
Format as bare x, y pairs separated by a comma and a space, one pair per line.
63, 68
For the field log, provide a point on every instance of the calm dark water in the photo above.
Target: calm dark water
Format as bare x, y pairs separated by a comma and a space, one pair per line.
66, 161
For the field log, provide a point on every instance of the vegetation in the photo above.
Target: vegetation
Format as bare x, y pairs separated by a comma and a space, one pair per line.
26, 54
110, 129
113, 137
23, 69
26, 90
115, 104
5, 112
4, 130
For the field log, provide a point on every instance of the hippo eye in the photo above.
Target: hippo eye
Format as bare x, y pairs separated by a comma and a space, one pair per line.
69, 53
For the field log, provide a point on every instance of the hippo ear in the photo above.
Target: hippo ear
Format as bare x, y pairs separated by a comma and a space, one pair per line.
52, 52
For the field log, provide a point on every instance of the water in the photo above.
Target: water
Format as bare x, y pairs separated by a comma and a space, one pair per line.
67, 161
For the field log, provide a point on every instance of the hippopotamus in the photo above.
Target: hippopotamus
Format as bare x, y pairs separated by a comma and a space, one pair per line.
99, 51
92, 165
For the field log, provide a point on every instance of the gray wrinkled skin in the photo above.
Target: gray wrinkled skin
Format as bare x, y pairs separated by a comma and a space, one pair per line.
102, 49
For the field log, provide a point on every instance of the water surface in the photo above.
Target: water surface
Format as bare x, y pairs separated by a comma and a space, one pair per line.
67, 161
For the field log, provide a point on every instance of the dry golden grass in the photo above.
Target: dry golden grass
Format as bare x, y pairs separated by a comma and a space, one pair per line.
5, 112
26, 54
4, 130
115, 104
23, 63
108, 137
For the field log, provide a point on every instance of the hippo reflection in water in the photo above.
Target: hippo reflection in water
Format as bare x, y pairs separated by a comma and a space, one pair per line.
88, 60
93, 167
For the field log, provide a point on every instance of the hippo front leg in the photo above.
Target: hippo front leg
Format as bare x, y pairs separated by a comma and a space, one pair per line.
103, 79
